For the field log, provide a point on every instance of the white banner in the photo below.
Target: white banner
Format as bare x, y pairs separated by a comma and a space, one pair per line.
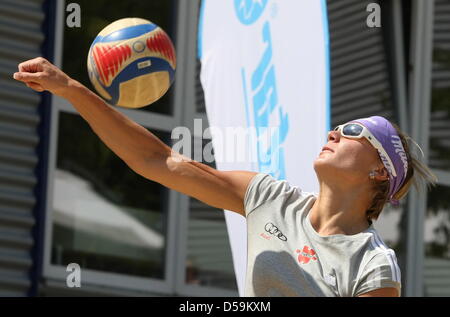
265, 66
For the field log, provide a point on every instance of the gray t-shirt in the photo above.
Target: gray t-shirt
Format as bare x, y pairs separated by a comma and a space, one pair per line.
287, 257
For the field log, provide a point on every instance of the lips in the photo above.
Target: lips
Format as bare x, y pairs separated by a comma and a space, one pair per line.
327, 149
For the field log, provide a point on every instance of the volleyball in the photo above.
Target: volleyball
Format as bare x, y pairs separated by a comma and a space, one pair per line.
131, 63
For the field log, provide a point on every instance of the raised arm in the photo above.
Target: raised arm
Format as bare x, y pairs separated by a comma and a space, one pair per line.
136, 146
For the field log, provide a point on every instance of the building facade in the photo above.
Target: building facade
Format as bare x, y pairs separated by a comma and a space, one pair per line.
66, 198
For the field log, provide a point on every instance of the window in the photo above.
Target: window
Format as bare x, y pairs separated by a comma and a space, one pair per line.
126, 232
111, 221
105, 216
437, 243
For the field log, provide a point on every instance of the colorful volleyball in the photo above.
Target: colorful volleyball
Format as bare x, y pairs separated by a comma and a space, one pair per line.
132, 63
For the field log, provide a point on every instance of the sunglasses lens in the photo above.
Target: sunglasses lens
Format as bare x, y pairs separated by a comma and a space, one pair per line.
352, 129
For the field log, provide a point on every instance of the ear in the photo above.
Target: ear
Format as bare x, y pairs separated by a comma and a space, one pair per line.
381, 174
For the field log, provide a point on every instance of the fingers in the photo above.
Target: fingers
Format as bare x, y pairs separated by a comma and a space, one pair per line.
33, 65
28, 77
35, 86
30, 70
40, 75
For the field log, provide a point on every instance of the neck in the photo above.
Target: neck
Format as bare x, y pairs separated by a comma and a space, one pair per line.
340, 211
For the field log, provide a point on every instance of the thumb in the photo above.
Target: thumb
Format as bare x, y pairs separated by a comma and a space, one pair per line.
26, 77
35, 87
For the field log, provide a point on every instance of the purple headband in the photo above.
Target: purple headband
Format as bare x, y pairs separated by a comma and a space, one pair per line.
386, 134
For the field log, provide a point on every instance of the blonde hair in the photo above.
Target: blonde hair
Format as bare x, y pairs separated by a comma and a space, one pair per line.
418, 174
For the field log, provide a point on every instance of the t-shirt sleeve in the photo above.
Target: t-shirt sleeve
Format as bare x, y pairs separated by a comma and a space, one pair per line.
263, 188
380, 272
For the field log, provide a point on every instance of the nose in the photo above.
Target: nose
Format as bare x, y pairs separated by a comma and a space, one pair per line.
334, 136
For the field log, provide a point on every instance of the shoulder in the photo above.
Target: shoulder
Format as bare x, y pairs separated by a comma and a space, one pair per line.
379, 267
264, 188
262, 181
379, 252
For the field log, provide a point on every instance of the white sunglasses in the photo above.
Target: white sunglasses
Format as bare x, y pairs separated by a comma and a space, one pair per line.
356, 130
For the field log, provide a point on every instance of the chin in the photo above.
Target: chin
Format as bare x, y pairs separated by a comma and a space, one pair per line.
324, 167
321, 160
320, 164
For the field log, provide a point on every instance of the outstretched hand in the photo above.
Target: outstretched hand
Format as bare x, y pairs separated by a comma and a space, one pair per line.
39, 74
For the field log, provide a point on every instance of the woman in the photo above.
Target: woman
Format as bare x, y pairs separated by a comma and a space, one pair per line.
299, 243
365, 164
